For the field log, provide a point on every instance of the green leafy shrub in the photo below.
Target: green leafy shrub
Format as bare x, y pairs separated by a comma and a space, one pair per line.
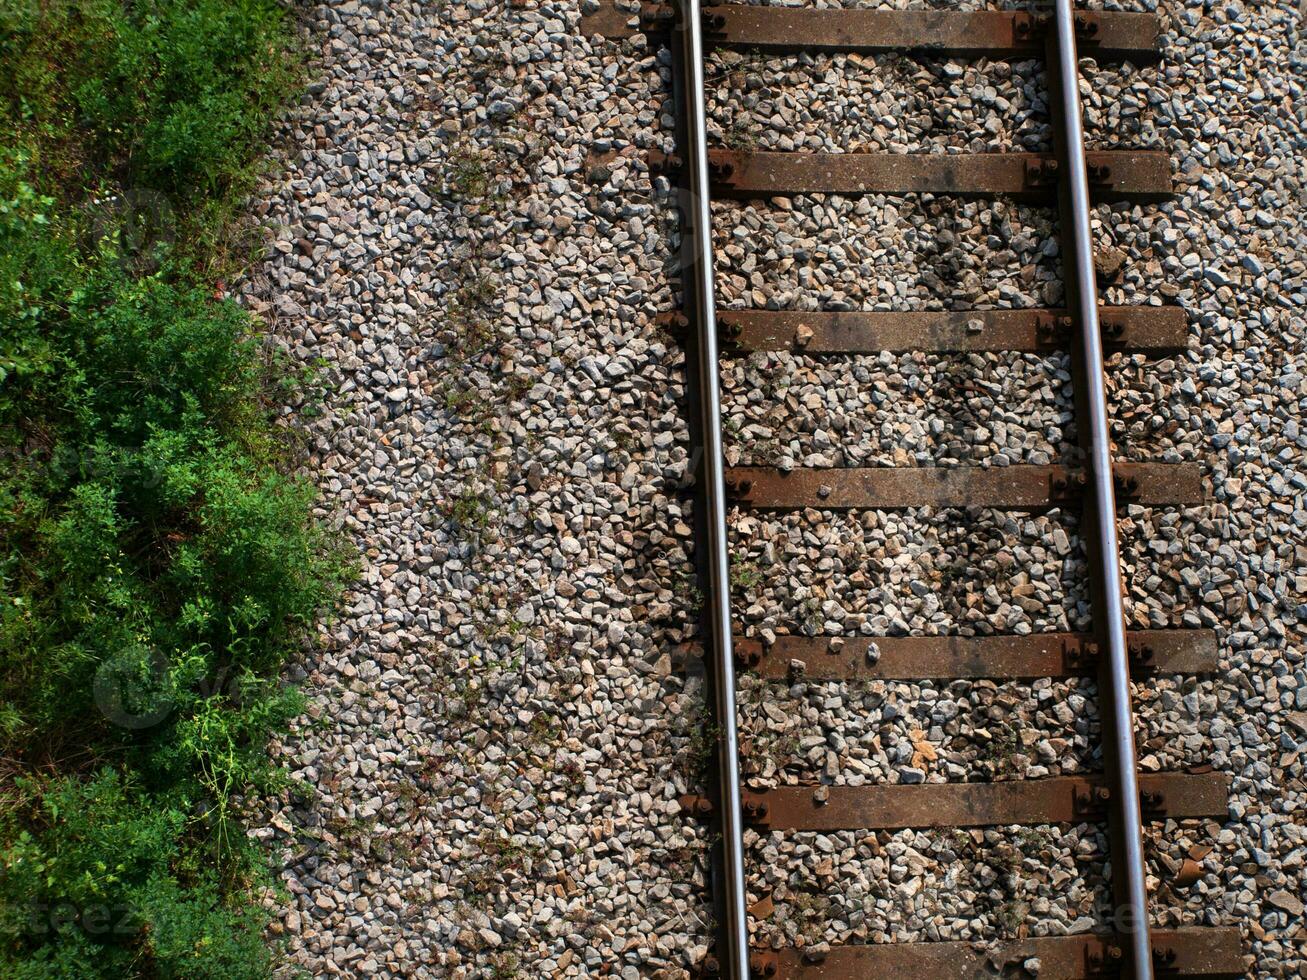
158, 559
168, 94
103, 878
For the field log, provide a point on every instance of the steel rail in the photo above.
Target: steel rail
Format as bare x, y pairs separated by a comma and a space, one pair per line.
697, 268
1119, 734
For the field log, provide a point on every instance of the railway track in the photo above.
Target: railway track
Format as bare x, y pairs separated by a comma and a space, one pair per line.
1068, 178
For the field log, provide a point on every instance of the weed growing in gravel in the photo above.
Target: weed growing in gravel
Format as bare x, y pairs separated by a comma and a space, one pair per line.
745, 575
516, 386
505, 966
544, 729
770, 747
1009, 917
499, 855
624, 440
467, 175
1010, 911
687, 584
1002, 748
470, 511
1035, 839
809, 916
766, 451
471, 176
810, 616
739, 136
698, 753
468, 327
508, 853
468, 335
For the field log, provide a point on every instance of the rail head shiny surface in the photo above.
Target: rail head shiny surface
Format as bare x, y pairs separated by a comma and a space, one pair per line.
700, 295
1119, 727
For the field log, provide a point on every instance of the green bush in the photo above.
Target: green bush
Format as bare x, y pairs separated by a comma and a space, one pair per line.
173, 95
159, 562
102, 886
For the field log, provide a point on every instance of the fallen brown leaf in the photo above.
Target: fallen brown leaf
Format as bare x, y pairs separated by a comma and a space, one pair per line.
1190, 871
